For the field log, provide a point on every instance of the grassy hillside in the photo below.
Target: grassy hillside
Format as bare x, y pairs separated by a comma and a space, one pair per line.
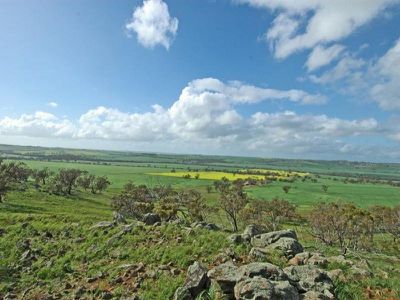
48, 245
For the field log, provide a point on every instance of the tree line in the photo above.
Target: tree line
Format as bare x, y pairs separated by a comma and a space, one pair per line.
17, 176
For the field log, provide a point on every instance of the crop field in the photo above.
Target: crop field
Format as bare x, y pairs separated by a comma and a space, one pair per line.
209, 175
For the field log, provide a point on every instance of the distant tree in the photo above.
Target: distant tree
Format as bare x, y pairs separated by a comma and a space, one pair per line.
99, 184
134, 201
232, 201
387, 220
197, 176
41, 176
222, 184
209, 189
12, 175
270, 214
286, 188
85, 181
65, 181
195, 207
324, 188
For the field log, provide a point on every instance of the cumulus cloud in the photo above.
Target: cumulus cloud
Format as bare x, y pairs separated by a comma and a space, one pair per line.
206, 116
39, 124
153, 24
304, 24
321, 56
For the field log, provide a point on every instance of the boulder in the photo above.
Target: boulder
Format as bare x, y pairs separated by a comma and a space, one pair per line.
265, 239
265, 270
151, 219
313, 295
309, 278
182, 293
235, 238
251, 231
224, 277
289, 246
258, 253
196, 279
259, 288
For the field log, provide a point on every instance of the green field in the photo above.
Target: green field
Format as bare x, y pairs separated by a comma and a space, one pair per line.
75, 251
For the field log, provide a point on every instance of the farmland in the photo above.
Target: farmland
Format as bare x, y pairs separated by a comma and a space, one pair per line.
34, 215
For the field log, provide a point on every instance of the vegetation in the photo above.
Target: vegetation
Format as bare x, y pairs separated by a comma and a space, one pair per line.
53, 200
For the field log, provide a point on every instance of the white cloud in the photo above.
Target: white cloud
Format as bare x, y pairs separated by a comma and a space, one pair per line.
375, 80
304, 24
347, 68
386, 91
52, 104
205, 117
39, 124
321, 56
153, 24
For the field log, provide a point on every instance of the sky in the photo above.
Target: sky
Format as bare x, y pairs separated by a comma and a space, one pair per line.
309, 79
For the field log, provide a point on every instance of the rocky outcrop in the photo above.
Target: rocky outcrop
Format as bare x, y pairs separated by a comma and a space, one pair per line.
263, 280
204, 225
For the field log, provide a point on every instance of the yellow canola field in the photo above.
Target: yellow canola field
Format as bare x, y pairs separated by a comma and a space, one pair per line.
209, 175
281, 173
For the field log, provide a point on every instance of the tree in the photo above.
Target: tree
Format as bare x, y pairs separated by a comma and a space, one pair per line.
209, 189
232, 201
195, 208
99, 184
270, 214
286, 188
65, 181
41, 176
324, 188
343, 224
85, 181
134, 201
387, 220
12, 175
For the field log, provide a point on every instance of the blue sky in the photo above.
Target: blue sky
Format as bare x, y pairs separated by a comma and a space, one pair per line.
304, 79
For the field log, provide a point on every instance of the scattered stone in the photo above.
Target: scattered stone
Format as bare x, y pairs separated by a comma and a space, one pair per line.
335, 274
151, 218
175, 271
251, 231
205, 225
235, 238
106, 295
103, 224
118, 218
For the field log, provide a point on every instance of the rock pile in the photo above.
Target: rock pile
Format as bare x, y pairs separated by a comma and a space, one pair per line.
303, 279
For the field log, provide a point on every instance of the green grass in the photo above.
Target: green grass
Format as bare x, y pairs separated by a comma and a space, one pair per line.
76, 252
